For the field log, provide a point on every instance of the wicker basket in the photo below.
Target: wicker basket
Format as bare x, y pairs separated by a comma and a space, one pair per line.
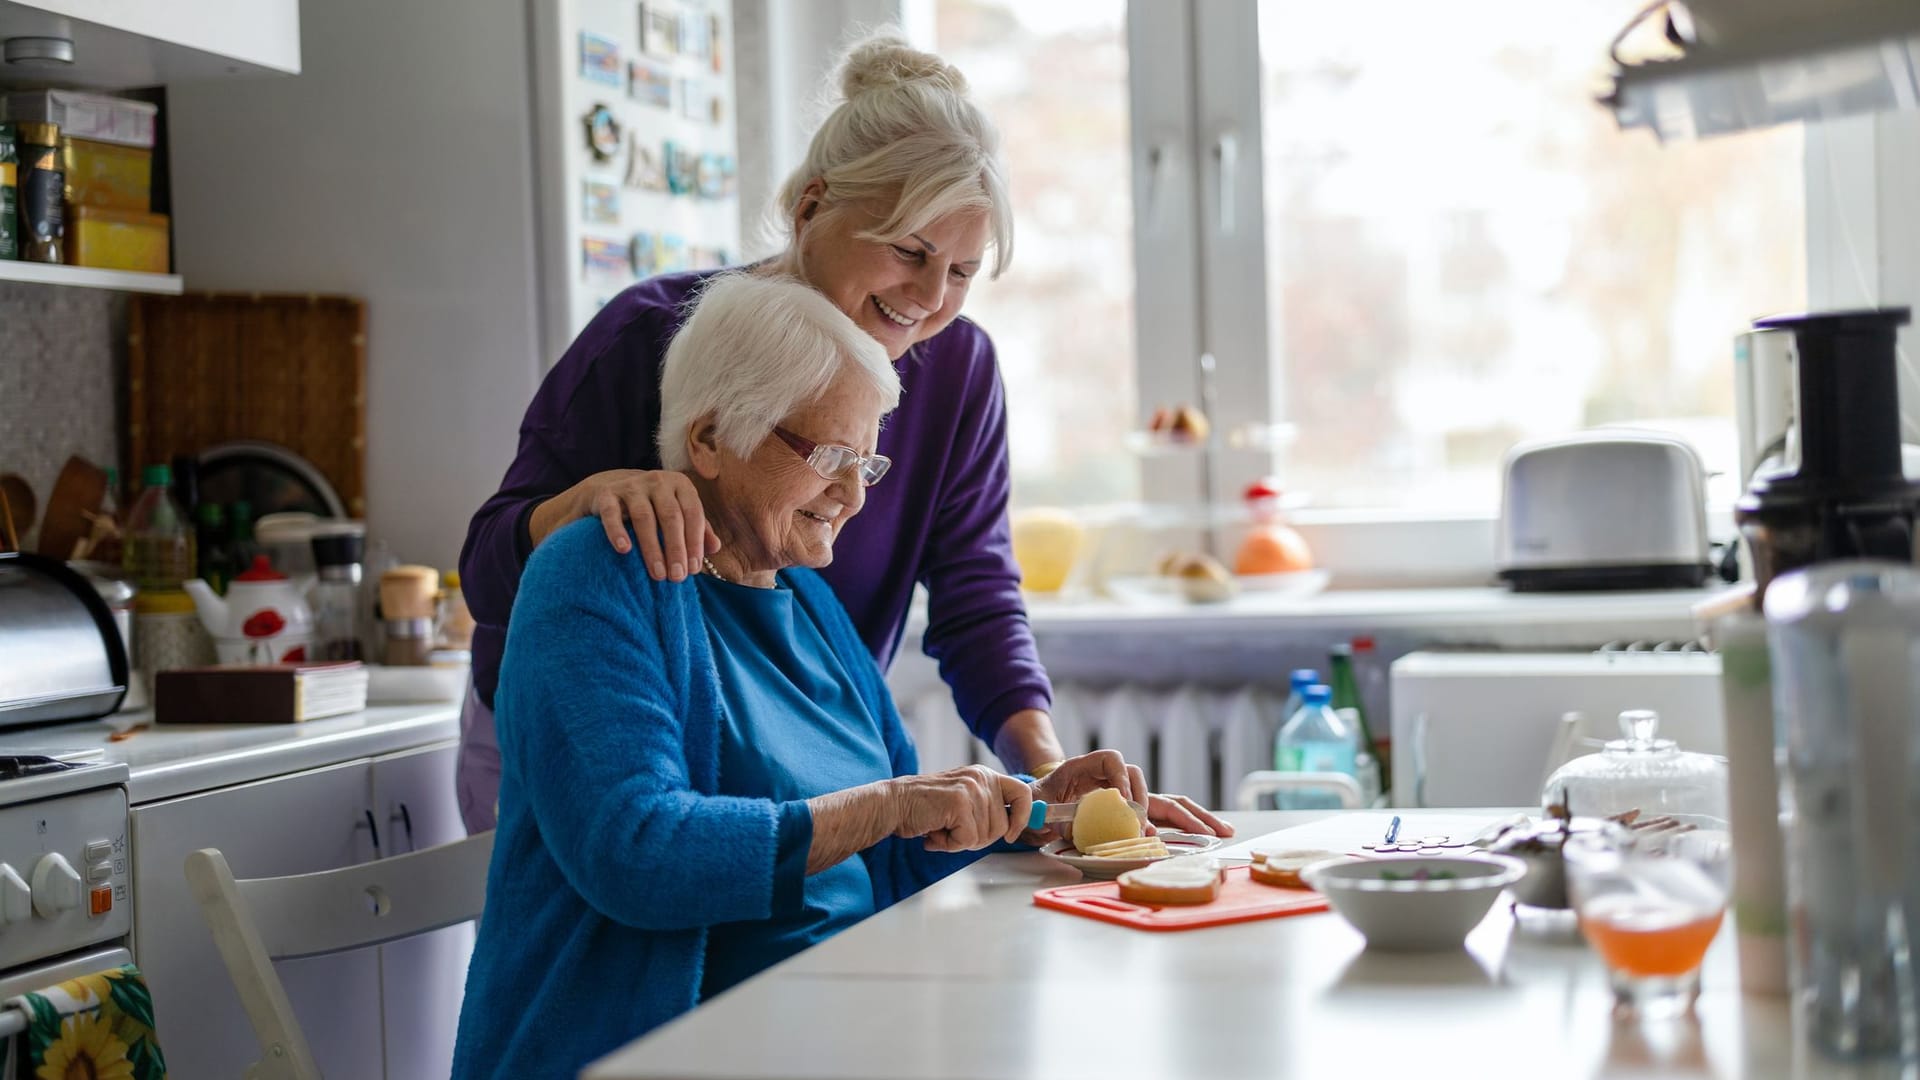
209, 368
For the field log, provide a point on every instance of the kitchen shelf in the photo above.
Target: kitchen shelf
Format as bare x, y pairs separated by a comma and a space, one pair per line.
87, 278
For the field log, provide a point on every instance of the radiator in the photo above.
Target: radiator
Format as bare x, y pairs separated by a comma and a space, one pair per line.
1195, 740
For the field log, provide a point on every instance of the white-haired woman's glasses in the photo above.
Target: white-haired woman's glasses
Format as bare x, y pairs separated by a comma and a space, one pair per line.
834, 462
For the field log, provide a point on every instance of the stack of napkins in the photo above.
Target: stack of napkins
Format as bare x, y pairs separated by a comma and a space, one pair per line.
260, 694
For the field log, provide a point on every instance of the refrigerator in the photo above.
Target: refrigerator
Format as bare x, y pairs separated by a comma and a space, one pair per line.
634, 121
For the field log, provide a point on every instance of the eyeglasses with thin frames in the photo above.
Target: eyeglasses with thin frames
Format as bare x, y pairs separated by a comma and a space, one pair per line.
834, 462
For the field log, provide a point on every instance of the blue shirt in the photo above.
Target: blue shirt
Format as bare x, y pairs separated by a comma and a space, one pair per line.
792, 727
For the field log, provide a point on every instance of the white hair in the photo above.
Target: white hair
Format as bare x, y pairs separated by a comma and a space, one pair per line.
905, 135
755, 350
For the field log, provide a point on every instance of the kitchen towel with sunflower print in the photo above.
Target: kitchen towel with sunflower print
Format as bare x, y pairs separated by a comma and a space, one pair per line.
95, 1027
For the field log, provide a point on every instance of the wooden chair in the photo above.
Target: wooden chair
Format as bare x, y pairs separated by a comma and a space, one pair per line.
256, 921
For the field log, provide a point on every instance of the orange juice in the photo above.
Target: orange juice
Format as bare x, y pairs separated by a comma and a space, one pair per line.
1637, 936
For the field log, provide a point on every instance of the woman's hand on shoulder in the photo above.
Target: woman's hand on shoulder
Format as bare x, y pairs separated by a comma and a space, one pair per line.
961, 809
662, 505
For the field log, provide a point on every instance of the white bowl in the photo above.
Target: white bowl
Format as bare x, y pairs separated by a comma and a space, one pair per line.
1415, 904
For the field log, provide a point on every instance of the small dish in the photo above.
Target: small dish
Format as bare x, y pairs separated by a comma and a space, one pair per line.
1178, 844
1297, 583
1417, 903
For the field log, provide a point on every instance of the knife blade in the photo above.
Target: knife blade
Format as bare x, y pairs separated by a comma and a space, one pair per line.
1045, 814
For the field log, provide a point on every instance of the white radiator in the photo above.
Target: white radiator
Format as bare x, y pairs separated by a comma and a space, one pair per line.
1195, 740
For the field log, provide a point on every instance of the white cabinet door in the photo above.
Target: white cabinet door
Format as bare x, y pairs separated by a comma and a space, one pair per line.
422, 979
120, 43
314, 820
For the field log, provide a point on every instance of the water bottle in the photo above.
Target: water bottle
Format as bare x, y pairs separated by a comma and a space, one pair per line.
1300, 680
1315, 739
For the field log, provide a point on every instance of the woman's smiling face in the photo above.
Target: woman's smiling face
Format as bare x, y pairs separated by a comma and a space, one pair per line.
771, 509
902, 292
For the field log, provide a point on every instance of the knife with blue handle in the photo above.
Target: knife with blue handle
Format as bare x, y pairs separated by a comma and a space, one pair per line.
1045, 814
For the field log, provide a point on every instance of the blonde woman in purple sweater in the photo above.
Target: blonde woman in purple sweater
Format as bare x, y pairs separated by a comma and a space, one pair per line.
900, 202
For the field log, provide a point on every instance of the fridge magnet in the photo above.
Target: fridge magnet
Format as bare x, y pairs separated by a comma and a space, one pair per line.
603, 132
671, 255
598, 257
599, 203
696, 36
699, 101
659, 36
646, 170
650, 83
683, 167
599, 59
713, 32
640, 250
708, 178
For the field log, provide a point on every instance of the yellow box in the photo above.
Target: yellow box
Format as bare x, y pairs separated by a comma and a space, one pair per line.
107, 175
117, 239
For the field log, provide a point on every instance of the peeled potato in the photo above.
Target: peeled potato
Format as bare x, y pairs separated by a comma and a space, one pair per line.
1104, 817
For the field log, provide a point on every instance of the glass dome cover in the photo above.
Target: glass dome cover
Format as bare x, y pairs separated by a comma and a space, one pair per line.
1641, 771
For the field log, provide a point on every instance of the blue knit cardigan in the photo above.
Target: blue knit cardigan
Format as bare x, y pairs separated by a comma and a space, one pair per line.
614, 850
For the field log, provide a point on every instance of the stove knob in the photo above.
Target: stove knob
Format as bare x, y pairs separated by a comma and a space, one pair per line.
16, 900
56, 886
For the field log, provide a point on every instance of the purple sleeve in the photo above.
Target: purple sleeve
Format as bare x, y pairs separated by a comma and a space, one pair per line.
596, 410
976, 620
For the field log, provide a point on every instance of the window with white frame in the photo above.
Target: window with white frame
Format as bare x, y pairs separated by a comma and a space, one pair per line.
1054, 78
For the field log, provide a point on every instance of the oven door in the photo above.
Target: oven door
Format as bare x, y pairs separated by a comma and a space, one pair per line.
38, 976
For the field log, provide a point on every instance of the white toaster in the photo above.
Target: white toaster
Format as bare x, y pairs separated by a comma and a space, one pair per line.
1608, 509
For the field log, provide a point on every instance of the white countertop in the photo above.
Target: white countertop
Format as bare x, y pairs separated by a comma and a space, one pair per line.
179, 759
970, 980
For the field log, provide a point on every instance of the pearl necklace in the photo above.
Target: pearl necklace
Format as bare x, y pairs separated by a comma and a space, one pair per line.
713, 572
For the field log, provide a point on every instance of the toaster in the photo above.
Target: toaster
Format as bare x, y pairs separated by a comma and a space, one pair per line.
1610, 509
61, 657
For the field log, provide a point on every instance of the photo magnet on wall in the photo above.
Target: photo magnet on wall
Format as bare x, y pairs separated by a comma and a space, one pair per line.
719, 64
641, 251
603, 132
672, 254
659, 36
645, 169
599, 59
650, 83
696, 36
599, 203
602, 257
699, 102
682, 169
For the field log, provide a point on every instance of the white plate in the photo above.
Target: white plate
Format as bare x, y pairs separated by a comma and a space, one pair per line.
1178, 844
1165, 588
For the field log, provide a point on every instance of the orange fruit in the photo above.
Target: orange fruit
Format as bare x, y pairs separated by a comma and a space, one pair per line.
1273, 549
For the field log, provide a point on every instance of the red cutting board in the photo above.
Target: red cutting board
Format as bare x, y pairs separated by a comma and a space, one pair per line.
1241, 899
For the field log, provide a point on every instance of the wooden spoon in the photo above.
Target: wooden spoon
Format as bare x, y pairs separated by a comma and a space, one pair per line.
20, 507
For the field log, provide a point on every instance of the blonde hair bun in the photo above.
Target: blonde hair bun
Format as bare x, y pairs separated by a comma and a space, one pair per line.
886, 62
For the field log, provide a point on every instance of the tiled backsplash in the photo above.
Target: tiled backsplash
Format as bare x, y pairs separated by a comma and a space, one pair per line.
62, 379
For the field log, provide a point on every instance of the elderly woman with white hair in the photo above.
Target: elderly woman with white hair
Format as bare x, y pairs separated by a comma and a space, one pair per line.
702, 777
900, 203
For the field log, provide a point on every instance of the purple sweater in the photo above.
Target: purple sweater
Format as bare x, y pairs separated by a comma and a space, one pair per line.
939, 517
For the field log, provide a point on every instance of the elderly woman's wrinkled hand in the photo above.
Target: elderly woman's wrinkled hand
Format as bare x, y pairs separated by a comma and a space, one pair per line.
961, 809
661, 505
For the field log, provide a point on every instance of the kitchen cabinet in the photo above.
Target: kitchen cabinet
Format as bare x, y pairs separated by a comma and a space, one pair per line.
422, 978
123, 43
385, 1011
296, 824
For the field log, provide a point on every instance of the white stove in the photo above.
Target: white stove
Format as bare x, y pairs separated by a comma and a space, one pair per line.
66, 895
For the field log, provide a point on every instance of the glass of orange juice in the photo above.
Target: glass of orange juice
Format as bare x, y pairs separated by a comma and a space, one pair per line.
1650, 903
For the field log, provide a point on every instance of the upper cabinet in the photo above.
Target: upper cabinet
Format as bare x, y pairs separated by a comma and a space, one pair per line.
124, 43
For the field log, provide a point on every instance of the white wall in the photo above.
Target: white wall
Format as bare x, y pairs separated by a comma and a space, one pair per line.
395, 168
1863, 228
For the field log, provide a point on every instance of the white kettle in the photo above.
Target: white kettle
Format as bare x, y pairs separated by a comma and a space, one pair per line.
263, 619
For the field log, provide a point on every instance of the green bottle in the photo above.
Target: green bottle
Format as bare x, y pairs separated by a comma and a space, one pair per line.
1346, 696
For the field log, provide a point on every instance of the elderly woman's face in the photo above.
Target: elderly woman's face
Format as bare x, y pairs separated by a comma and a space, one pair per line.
902, 292
774, 510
